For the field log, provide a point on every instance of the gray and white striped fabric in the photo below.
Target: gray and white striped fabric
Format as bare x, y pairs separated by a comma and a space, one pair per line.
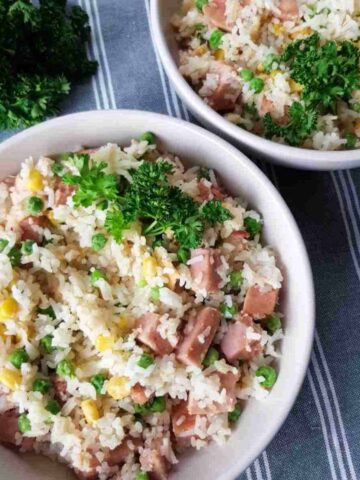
321, 437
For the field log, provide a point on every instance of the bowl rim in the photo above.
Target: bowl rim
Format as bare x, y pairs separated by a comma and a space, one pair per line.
293, 157
157, 119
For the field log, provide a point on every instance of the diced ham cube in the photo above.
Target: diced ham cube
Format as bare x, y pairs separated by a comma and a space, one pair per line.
118, 455
208, 191
9, 429
149, 335
228, 382
31, 228
182, 422
236, 344
214, 12
91, 473
60, 389
198, 336
204, 269
62, 192
258, 304
289, 9
154, 462
228, 89
138, 394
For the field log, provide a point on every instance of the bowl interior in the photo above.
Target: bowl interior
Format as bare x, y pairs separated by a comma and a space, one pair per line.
161, 13
260, 420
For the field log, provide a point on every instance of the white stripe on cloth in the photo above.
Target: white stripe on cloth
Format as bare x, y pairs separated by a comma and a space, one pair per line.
324, 392
258, 470
267, 465
323, 426
248, 474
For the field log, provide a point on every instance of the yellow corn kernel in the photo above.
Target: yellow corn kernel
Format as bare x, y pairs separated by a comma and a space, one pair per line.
104, 342
124, 323
149, 267
301, 33
219, 54
2, 332
233, 118
277, 29
90, 411
35, 180
15, 278
10, 378
274, 73
201, 50
50, 216
260, 67
295, 87
118, 388
8, 308
172, 279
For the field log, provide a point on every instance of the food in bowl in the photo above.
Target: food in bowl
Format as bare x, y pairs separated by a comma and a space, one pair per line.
287, 70
138, 309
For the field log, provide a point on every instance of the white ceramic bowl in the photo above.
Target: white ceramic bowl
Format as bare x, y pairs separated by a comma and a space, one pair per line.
260, 420
163, 36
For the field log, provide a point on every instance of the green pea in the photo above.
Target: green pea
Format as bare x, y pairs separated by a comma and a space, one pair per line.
155, 294
215, 39
35, 205
15, 256
41, 385
257, 84
95, 275
97, 381
158, 405
145, 360
273, 323
142, 476
148, 137
49, 311
269, 374
228, 311
46, 343
18, 357
27, 247
211, 357
142, 283
235, 414
3, 244
252, 226
53, 407
66, 368
247, 74
24, 423
200, 4
351, 140
235, 279
98, 241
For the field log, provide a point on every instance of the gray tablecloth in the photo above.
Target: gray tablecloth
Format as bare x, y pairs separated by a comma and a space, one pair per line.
321, 437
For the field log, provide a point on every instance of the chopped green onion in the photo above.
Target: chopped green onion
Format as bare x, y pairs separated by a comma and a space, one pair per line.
273, 323
183, 255
95, 275
351, 140
98, 242
356, 107
97, 381
269, 374
155, 294
215, 39
66, 368
157, 405
53, 407
257, 84
15, 256
250, 108
235, 279
252, 226
35, 205
18, 357
203, 172
24, 423
49, 311
211, 357
41, 385
228, 311
145, 361
103, 205
46, 343
247, 74
3, 244
148, 137
235, 414
27, 247
57, 168
142, 476
200, 4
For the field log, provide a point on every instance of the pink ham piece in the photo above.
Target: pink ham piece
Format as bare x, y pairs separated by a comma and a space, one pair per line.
289, 9
214, 12
228, 382
91, 473
31, 228
9, 430
258, 304
60, 389
138, 394
204, 268
236, 345
198, 336
118, 455
62, 192
228, 89
149, 335
183, 423
151, 460
208, 191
